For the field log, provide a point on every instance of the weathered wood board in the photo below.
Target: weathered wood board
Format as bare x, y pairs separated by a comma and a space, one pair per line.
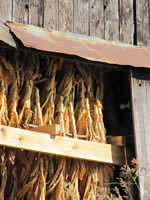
120, 140
20, 11
5, 10
111, 20
140, 84
81, 17
51, 14
54, 129
36, 12
126, 21
62, 146
143, 22
97, 18
65, 15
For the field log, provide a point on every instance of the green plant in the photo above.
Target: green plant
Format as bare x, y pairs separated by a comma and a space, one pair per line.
127, 182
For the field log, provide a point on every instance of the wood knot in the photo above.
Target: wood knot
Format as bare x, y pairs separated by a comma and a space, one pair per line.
140, 83
2, 129
26, 6
105, 4
20, 138
75, 146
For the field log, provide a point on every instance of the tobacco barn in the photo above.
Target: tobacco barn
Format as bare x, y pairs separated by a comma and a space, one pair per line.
74, 106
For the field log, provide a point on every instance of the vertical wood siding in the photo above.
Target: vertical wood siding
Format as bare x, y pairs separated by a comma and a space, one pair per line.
51, 14
81, 16
143, 22
126, 21
20, 11
65, 22
5, 10
97, 18
107, 19
36, 12
140, 84
111, 20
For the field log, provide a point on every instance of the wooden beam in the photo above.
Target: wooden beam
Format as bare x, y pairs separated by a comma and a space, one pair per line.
120, 140
62, 146
54, 129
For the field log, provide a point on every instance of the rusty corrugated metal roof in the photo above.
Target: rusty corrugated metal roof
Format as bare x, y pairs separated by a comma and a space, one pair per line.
90, 48
5, 35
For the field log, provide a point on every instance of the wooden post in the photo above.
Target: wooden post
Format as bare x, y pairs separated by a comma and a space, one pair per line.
140, 87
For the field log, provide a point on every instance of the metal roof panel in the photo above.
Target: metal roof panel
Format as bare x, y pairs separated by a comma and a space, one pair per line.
90, 48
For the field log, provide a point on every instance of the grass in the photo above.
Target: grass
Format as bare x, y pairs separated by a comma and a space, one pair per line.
127, 182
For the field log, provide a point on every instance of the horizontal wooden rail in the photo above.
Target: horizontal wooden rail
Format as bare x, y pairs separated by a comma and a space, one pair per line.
62, 146
121, 140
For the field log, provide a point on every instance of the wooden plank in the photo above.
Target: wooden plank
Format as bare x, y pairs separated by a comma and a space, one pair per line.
140, 84
5, 10
21, 11
54, 129
142, 22
51, 14
65, 15
81, 17
36, 12
111, 20
97, 18
120, 140
59, 145
126, 23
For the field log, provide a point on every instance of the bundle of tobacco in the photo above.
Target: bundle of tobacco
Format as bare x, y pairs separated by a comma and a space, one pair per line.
44, 90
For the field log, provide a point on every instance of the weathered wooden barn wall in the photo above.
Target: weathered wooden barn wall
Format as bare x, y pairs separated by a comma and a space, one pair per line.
126, 21
107, 19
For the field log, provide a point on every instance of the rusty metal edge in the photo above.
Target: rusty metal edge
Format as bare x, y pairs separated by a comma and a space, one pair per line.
89, 48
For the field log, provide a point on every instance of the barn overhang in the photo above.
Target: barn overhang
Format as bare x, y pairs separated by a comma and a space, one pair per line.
89, 48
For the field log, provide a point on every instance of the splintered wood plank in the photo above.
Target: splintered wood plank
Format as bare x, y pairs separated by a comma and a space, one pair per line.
51, 14
21, 11
97, 18
142, 22
6, 10
62, 146
111, 20
36, 12
126, 22
65, 15
81, 17
140, 84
